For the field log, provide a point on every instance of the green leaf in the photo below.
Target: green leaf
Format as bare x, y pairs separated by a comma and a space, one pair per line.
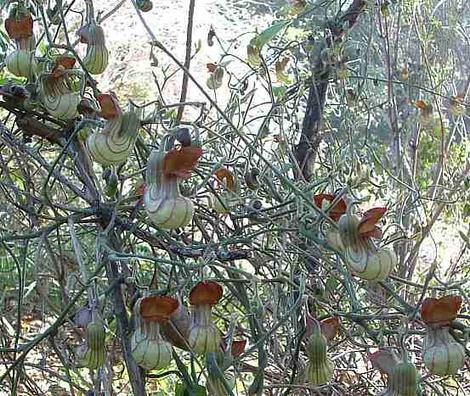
183, 390
268, 34
332, 284
279, 92
465, 238
18, 179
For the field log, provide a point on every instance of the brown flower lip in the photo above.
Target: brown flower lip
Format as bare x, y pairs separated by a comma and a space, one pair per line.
205, 293
158, 308
178, 163
62, 63
66, 60
224, 176
330, 327
337, 210
19, 28
384, 360
109, 105
368, 225
238, 346
440, 312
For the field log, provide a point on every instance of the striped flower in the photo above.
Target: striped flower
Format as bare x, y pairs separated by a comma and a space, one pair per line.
165, 205
96, 58
361, 255
60, 95
113, 144
149, 349
442, 354
204, 336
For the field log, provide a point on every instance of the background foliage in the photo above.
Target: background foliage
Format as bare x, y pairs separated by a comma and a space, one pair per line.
343, 81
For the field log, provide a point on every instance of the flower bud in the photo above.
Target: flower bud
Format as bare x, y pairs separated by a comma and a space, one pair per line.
404, 380
319, 369
96, 58
402, 375
95, 333
91, 358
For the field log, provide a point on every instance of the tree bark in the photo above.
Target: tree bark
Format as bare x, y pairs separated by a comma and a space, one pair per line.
310, 137
136, 375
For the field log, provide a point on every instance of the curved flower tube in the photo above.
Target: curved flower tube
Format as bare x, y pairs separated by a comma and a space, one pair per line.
404, 380
221, 376
92, 353
334, 208
204, 336
442, 354
176, 329
215, 385
402, 375
96, 58
165, 205
114, 143
61, 89
149, 349
362, 257
95, 333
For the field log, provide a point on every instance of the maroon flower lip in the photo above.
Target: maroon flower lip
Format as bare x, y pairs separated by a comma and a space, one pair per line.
368, 225
158, 308
206, 293
109, 106
440, 311
225, 177
179, 162
19, 28
337, 210
330, 327
238, 346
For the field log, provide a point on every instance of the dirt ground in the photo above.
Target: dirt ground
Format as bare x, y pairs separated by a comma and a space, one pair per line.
130, 71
